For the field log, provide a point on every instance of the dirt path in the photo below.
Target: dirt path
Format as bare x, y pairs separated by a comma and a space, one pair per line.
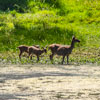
53, 82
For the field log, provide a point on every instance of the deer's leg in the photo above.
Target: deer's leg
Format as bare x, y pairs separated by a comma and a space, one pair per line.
51, 56
20, 54
31, 57
37, 58
67, 59
29, 54
63, 59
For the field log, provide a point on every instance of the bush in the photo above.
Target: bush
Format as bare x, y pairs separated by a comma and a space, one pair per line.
9, 4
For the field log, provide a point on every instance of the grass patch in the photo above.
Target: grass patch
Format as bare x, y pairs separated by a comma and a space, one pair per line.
49, 21
79, 56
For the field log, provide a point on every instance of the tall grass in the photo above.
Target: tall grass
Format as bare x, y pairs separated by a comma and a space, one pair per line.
51, 21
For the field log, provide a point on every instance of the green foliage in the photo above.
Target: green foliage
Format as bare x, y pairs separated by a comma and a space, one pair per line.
38, 5
9, 4
44, 22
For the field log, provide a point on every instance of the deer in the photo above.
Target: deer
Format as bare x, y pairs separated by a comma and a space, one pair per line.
24, 48
36, 51
53, 48
64, 50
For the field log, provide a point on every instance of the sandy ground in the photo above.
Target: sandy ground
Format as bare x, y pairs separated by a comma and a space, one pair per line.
49, 82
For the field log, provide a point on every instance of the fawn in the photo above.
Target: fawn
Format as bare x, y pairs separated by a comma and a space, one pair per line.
36, 51
24, 48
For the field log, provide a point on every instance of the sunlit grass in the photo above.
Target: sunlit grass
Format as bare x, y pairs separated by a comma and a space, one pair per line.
46, 22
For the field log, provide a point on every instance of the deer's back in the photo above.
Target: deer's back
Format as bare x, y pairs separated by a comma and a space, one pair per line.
54, 47
34, 50
64, 50
23, 48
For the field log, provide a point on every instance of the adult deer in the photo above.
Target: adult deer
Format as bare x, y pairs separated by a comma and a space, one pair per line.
63, 50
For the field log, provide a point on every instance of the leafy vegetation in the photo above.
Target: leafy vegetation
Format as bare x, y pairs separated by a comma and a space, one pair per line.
44, 22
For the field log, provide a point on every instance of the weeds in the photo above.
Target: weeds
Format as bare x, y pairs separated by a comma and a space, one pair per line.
79, 56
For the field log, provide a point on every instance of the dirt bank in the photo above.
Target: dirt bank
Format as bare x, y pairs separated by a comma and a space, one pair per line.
49, 82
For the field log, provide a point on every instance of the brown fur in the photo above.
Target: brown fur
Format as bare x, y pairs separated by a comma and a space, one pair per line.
36, 51
53, 48
24, 48
64, 50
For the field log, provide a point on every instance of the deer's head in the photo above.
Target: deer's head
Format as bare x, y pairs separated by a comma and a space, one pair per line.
75, 39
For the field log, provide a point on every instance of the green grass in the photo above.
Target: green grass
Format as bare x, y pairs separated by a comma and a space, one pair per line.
49, 21
79, 56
